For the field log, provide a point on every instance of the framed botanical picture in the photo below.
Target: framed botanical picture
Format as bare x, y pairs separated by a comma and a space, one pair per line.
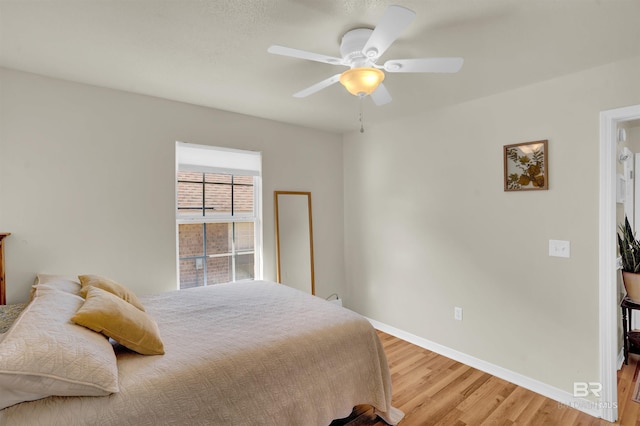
526, 166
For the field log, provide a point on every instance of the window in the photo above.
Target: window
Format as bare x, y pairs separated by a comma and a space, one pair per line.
218, 215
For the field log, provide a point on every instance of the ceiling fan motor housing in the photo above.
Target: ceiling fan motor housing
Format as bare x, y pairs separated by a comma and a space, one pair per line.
351, 48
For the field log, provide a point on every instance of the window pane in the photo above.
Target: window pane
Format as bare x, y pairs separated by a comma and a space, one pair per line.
189, 192
191, 240
218, 238
217, 198
219, 270
191, 273
242, 199
190, 176
244, 236
244, 267
189, 197
218, 242
244, 180
217, 178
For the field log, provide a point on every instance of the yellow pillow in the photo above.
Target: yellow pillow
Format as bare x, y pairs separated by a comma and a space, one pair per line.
108, 314
108, 285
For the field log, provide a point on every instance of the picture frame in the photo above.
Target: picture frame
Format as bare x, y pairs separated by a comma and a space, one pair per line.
526, 166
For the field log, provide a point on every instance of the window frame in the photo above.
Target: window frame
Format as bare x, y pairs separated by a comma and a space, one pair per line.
191, 218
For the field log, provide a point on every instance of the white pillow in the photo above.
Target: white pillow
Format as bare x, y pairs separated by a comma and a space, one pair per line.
60, 282
45, 354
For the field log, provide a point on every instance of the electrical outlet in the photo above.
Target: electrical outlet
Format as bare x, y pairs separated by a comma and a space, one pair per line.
457, 313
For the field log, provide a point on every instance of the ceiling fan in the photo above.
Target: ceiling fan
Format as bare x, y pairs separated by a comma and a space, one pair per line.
361, 48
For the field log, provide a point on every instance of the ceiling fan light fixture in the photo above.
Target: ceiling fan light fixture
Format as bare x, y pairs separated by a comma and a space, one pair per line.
361, 81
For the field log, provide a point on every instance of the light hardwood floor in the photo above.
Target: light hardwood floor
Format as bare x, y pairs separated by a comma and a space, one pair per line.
434, 390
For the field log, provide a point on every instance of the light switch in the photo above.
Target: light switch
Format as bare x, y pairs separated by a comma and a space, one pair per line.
457, 313
559, 248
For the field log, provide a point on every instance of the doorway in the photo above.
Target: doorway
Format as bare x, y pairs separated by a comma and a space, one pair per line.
608, 300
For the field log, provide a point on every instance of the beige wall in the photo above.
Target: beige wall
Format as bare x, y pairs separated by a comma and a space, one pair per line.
429, 227
87, 181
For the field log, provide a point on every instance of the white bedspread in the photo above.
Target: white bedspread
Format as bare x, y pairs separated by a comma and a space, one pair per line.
249, 353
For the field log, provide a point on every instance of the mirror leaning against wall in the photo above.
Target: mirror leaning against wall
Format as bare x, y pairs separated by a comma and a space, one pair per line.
294, 240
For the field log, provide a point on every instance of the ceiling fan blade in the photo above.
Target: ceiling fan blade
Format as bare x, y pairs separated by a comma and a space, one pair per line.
381, 95
317, 87
301, 54
424, 65
394, 21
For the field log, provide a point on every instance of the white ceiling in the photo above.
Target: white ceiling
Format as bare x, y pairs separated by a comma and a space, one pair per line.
214, 53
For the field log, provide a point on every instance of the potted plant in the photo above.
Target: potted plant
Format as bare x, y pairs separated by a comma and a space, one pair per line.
630, 253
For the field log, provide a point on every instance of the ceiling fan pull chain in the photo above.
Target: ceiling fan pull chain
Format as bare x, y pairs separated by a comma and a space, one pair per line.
361, 114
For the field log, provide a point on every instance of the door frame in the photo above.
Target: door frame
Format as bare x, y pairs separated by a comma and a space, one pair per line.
608, 300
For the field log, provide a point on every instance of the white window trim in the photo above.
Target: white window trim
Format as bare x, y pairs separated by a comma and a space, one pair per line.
253, 169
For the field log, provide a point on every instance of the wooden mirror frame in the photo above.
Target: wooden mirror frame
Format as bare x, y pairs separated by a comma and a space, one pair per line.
3, 299
278, 240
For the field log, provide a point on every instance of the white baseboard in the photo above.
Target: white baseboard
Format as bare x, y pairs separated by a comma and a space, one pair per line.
562, 397
620, 358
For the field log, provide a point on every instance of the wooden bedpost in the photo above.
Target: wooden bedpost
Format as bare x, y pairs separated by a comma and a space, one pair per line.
3, 300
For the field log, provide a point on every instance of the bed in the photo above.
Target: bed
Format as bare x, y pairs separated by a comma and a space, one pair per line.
246, 353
